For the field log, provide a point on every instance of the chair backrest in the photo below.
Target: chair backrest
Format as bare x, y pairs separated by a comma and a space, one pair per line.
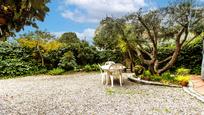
109, 63
116, 66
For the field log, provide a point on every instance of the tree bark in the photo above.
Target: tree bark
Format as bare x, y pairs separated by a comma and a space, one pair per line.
202, 69
41, 55
176, 52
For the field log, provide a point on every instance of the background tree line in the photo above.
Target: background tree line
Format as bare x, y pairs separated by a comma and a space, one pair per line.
160, 40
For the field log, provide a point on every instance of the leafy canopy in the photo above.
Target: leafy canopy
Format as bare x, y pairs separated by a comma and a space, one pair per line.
15, 14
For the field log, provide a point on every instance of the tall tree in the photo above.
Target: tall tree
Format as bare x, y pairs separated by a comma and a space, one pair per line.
115, 34
69, 37
172, 24
146, 32
41, 41
15, 14
107, 34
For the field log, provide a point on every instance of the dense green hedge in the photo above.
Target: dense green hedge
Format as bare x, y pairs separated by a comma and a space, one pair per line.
190, 56
15, 60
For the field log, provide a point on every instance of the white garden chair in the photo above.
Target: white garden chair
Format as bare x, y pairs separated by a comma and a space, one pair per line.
103, 74
109, 63
115, 72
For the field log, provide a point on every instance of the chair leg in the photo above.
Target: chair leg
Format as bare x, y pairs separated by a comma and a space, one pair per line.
102, 78
107, 78
111, 80
121, 80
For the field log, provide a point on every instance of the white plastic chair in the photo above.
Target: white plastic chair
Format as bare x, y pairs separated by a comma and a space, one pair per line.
109, 63
103, 74
116, 71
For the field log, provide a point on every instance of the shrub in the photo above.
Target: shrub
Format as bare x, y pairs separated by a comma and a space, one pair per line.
146, 75
167, 77
68, 61
182, 80
182, 71
77, 69
95, 67
17, 67
87, 68
155, 78
196, 70
139, 70
56, 71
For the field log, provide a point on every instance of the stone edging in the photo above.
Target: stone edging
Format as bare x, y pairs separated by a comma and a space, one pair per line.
188, 89
151, 82
193, 93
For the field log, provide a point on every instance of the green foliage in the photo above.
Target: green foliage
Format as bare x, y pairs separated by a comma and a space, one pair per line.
156, 78
56, 71
147, 73
105, 55
182, 71
139, 70
190, 56
16, 61
20, 13
182, 80
168, 76
89, 68
16, 67
68, 61
107, 34
196, 70
69, 37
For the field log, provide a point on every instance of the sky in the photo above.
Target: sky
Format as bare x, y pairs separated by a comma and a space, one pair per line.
83, 16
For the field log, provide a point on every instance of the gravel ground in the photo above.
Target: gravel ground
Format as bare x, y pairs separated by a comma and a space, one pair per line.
83, 94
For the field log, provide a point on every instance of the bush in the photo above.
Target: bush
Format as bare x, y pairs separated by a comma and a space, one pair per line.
182, 80
68, 61
139, 70
182, 71
196, 70
95, 67
89, 68
17, 67
146, 75
56, 71
167, 76
156, 78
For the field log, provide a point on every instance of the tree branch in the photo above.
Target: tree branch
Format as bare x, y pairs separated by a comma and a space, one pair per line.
190, 40
144, 51
168, 58
185, 37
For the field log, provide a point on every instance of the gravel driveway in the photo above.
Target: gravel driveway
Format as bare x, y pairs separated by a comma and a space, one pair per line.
83, 94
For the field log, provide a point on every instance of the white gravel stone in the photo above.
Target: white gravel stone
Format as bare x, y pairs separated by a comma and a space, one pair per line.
84, 94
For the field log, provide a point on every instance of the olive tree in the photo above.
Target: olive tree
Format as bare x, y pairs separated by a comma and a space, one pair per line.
146, 32
174, 24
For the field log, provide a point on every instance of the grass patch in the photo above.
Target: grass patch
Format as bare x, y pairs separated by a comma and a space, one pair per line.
111, 91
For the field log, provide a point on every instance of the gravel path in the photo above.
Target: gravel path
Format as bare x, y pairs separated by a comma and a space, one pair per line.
83, 94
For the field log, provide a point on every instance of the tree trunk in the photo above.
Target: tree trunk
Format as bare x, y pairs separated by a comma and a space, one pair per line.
41, 56
151, 68
172, 61
202, 69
